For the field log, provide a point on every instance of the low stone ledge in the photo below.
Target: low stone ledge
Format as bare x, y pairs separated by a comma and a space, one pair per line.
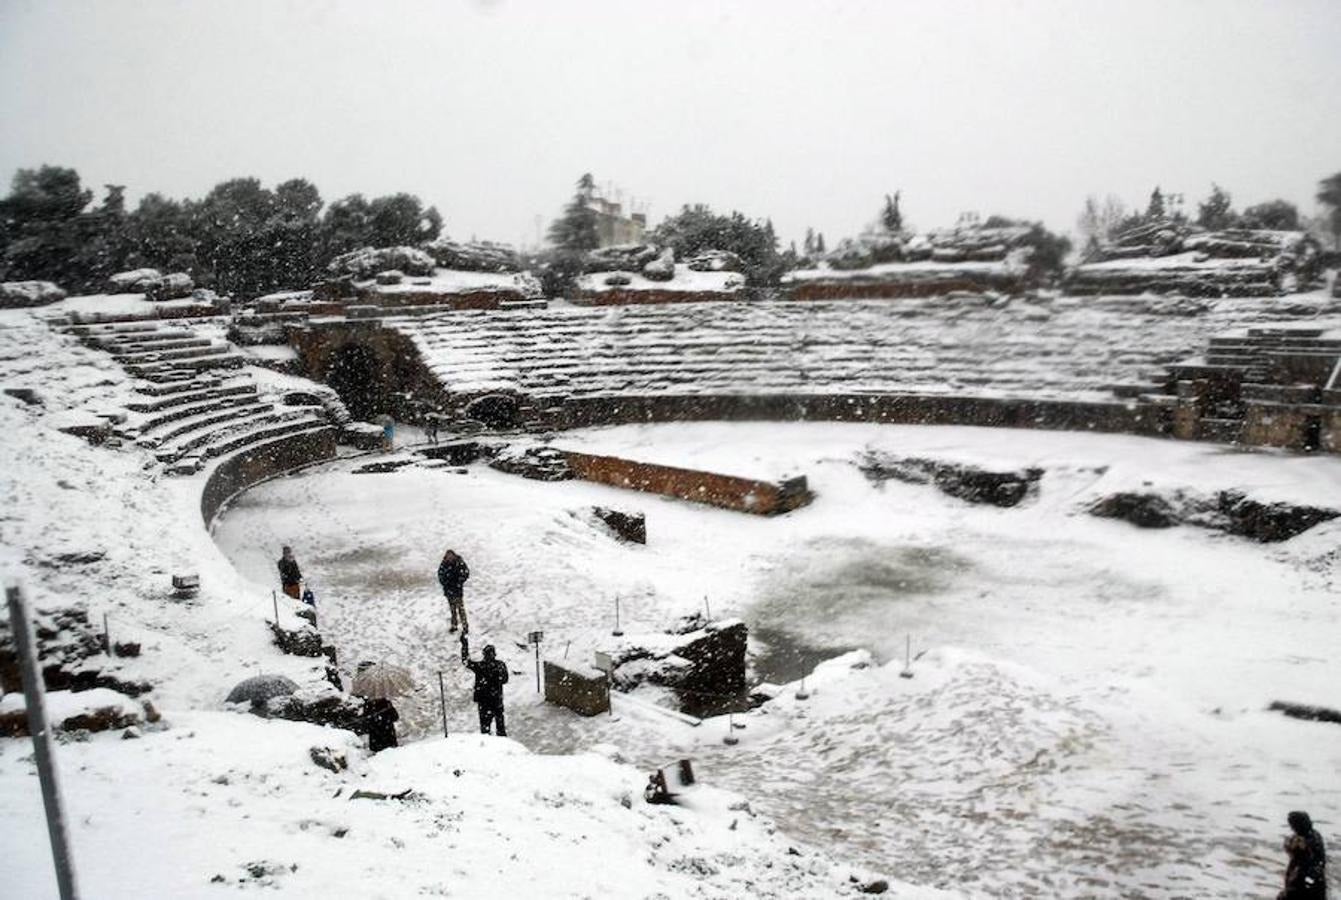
584, 691
724, 491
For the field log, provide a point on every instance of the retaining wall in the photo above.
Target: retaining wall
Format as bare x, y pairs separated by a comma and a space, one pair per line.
857, 288
904, 409
255, 464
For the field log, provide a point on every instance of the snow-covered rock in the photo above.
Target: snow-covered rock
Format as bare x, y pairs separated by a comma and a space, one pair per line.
476, 256
170, 287
133, 282
662, 268
16, 294
368, 261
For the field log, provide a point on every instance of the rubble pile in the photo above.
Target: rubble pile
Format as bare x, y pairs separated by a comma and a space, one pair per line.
1174, 257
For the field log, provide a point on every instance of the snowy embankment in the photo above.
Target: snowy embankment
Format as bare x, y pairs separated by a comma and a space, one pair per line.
1089, 715
220, 800
207, 793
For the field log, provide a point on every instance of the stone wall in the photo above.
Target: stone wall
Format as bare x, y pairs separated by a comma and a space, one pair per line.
901, 409
255, 464
1288, 426
584, 691
761, 498
857, 288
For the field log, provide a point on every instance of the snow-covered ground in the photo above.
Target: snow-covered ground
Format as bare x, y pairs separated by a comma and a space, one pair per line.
1088, 717
213, 792
454, 281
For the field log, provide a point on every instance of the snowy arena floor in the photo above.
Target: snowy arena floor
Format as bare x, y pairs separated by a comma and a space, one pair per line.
1088, 714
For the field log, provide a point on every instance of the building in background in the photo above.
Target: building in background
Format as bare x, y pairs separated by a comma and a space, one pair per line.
613, 226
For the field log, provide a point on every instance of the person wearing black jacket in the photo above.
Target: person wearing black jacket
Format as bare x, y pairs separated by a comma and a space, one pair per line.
379, 717
1306, 873
452, 575
289, 575
490, 676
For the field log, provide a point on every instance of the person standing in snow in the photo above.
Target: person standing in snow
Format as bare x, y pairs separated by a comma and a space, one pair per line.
290, 578
380, 717
1306, 873
452, 575
431, 427
490, 676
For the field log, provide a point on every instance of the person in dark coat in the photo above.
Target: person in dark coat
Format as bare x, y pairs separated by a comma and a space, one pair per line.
380, 717
1306, 873
452, 575
490, 676
290, 578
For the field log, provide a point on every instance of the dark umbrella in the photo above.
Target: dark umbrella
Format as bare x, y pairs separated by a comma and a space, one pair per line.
260, 688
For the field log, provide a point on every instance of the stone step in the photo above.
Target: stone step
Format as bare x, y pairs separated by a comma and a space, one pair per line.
211, 429
179, 369
189, 418
179, 398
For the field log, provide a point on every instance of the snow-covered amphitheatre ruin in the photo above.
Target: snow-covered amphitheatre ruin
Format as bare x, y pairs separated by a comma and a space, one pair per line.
944, 581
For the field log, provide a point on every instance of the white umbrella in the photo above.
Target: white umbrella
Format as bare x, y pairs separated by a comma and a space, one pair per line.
381, 681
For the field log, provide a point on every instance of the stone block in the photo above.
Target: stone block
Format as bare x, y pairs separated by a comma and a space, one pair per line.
1290, 427
628, 527
584, 691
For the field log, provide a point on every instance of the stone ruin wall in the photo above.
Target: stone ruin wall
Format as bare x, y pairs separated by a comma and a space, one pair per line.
724, 491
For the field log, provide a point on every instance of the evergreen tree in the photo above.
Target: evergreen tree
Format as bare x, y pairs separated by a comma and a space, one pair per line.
819, 244
1155, 209
1329, 195
39, 228
890, 217
809, 244
575, 230
1217, 211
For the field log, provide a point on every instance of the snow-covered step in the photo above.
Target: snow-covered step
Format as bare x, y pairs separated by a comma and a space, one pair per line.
203, 418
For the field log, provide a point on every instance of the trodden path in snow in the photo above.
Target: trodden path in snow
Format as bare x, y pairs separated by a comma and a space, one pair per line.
1088, 720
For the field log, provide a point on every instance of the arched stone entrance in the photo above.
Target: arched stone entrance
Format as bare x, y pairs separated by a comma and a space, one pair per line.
356, 375
495, 411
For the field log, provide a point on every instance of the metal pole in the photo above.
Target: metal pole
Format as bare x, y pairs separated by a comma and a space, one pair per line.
35, 697
442, 699
618, 632
274, 598
706, 608
106, 636
537, 667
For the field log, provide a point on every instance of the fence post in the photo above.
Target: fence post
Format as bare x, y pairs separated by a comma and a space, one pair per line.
34, 695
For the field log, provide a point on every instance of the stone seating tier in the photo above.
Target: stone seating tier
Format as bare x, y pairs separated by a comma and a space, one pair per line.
189, 414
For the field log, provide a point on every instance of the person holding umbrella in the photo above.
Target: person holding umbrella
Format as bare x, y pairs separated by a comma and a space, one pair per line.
490, 676
377, 683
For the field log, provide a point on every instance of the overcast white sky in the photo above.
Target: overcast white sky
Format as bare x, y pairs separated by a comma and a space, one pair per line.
804, 112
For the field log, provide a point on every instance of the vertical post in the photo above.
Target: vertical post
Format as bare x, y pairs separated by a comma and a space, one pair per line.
730, 740
706, 608
618, 632
106, 636
274, 598
35, 697
537, 667
442, 699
